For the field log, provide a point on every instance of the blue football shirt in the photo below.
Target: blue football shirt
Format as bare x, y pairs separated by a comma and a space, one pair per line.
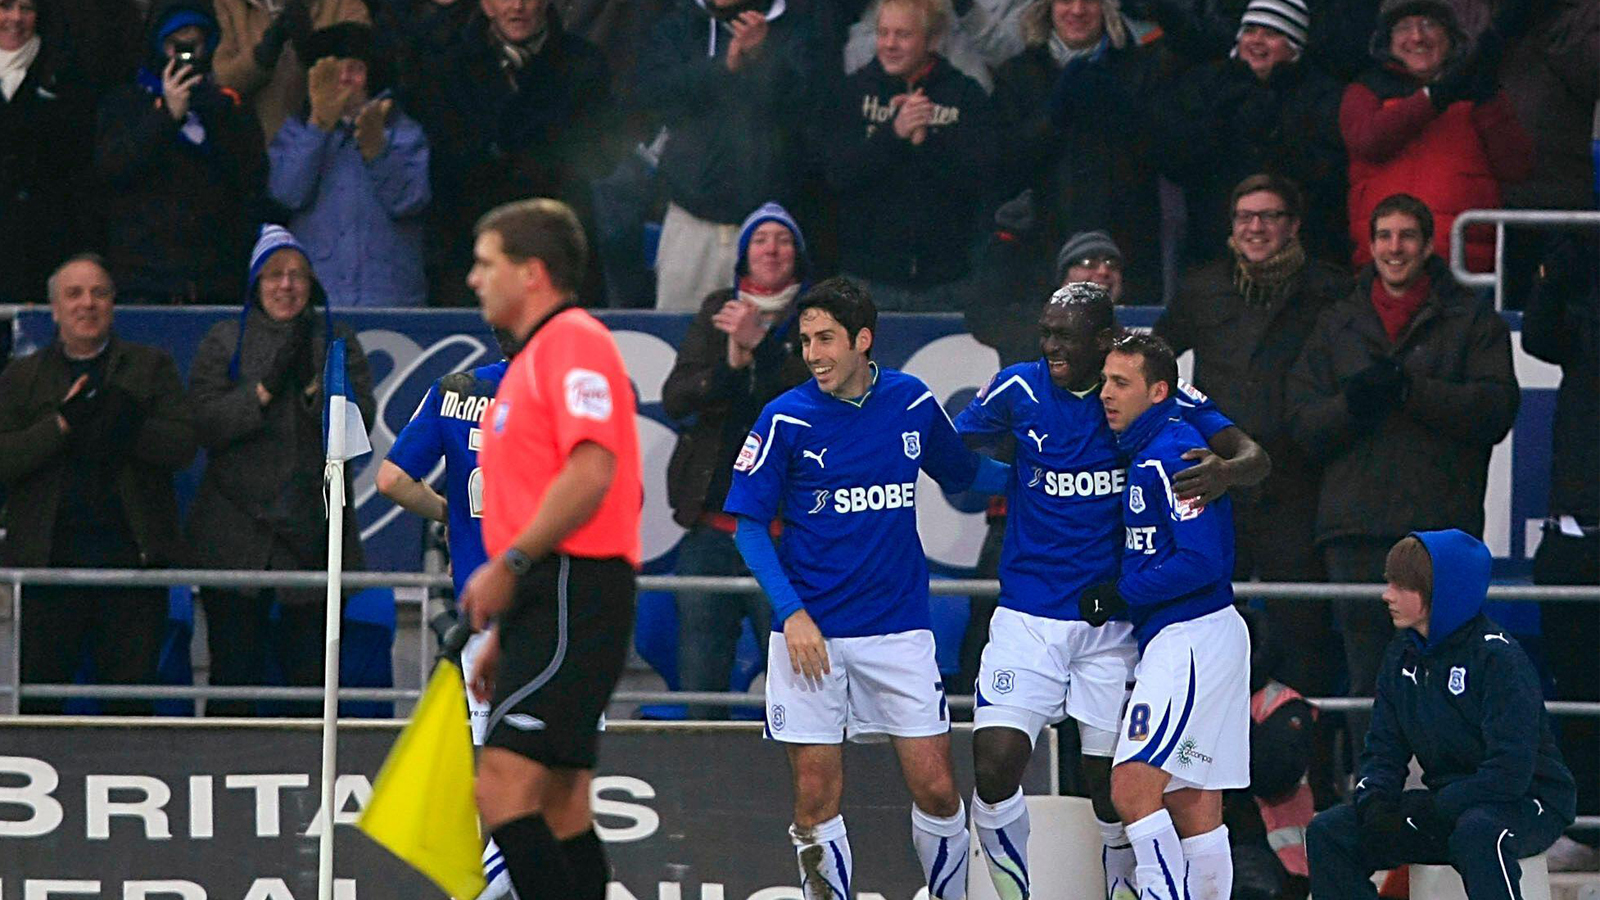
445, 426
1064, 502
843, 476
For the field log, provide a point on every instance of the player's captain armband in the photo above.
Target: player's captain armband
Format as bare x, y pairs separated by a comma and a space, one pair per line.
588, 395
747, 454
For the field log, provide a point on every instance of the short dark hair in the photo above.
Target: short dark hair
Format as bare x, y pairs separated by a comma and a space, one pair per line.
543, 229
1401, 203
1409, 566
847, 301
1087, 299
1293, 198
1158, 363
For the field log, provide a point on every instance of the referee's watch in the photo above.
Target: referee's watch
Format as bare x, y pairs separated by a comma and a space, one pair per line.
518, 562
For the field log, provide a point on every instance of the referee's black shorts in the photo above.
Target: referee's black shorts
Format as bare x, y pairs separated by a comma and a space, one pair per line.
563, 644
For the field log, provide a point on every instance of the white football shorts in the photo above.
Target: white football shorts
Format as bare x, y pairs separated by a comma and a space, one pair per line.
1190, 710
878, 687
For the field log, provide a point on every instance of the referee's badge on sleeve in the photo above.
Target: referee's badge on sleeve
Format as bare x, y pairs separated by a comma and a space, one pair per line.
747, 454
588, 395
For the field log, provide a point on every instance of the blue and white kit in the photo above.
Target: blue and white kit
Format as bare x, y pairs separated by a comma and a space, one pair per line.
444, 429
1190, 710
843, 475
1063, 534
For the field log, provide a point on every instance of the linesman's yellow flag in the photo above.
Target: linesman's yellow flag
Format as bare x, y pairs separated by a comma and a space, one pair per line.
422, 807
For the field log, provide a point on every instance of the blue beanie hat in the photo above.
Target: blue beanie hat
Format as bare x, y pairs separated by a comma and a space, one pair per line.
771, 212
273, 238
183, 18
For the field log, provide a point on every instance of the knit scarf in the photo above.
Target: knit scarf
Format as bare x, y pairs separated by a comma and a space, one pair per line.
1262, 283
14, 66
514, 56
769, 303
1397, 312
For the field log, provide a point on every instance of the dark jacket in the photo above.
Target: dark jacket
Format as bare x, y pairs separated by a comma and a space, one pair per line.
1466, 702
1426, 464
140, 448
1222, 124
907, 211
260, 500
44, 164
180, 218
1084, 140
1242, 358
734, 138
1562, 326
719, 405
500, 134
1549, 76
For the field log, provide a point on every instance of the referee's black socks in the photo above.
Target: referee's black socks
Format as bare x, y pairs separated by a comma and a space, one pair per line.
544, 868
534, 859
586, 859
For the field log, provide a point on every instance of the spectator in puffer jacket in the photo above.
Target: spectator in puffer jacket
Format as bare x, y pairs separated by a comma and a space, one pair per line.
353, 170
1430, 120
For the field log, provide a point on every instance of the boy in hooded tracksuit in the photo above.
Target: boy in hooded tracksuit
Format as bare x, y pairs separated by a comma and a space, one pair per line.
1462, 697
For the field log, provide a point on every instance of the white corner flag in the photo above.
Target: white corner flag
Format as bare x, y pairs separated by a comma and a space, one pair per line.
350, 441
344, 437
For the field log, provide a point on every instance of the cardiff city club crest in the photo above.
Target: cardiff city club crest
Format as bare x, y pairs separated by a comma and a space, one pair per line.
778, 717
1136, 499
1458, 680
913, 443
1004, 681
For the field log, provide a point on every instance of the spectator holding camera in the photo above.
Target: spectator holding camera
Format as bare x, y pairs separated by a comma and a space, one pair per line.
1401, 392
256, 386
92, 428
354, 171
182, 167
1430, 120
262, 53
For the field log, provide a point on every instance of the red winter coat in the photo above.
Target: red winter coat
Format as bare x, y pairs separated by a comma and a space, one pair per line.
1452, 161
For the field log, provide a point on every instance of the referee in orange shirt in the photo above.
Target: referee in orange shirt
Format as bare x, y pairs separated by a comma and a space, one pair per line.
561, 501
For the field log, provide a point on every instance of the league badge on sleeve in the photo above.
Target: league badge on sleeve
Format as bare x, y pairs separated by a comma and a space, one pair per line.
913, 443
588, 395
747, 454
1458, 680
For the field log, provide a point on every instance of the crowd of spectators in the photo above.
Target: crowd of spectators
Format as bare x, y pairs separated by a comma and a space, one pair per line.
1281, 175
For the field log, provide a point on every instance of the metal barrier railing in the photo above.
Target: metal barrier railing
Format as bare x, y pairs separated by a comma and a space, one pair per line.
17, 578
1500, 218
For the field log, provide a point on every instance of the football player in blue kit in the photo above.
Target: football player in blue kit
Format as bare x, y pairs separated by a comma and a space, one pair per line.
445, 427
851, 655
1185, 737
1043, 664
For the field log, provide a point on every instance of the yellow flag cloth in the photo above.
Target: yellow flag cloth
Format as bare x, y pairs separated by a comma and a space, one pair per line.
422, 806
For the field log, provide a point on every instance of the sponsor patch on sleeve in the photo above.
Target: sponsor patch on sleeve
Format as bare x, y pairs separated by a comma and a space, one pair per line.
1184, 510
747, 454
1192, 393
588, 395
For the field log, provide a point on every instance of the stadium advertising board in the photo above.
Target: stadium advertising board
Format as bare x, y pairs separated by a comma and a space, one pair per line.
408, 350
193, 810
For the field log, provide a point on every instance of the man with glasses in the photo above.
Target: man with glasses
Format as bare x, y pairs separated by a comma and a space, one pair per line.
1091, 256
1246, 316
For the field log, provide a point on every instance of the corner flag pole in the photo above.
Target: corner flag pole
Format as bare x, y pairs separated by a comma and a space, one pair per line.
333, 478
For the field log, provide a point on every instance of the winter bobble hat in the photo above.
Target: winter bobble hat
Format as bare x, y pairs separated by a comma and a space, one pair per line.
273, 238
1085, 244
1290, 18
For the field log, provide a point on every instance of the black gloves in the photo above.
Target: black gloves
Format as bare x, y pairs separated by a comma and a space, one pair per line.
1376, 390
81, 408
1100, 603
1476, 77
1419, 813
1390, 820
293, 24
291, 363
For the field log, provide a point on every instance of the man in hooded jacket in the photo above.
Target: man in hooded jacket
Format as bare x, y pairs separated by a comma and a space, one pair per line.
1462, 697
